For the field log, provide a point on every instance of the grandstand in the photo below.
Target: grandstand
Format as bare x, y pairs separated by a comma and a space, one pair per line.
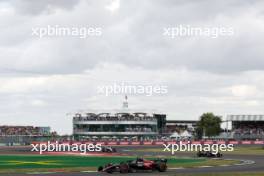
21, 135
246, 126
24, 131
117, 125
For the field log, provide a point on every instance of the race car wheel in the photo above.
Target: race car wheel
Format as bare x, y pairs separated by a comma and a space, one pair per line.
162, 167
100, 168
110, 171
132, 170
124, 168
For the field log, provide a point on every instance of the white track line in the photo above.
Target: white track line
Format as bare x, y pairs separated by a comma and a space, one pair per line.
204, 166
175, 168
33, 173
224, 165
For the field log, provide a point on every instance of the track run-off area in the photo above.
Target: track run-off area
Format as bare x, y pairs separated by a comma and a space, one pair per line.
20, 161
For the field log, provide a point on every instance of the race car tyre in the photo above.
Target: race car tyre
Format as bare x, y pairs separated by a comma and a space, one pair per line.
110, 171
124, 168
161, 167
100, 168
132, 170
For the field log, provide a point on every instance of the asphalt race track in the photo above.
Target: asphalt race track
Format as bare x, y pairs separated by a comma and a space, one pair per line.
257, 166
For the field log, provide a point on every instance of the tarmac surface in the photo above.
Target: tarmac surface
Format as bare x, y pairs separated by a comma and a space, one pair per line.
252, 163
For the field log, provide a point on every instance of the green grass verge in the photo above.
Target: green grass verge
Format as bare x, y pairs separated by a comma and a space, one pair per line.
237, 150
208, 162
26, 163
49, 163
247, 151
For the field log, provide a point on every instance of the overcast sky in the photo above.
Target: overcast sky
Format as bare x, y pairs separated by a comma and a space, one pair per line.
44, 79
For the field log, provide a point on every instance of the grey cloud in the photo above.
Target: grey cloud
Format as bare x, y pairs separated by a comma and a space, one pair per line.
136, 38
31, 7
43, 79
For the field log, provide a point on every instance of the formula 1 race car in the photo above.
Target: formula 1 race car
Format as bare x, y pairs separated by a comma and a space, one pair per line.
136, 165
108, 149
209, 154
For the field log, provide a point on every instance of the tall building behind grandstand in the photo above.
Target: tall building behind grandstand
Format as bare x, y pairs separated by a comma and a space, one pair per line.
123, 123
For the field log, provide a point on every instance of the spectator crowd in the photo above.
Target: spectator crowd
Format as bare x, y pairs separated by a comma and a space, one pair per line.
249, 129
23, 130
116, 117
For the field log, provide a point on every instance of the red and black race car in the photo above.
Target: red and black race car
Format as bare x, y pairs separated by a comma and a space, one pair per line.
136, 165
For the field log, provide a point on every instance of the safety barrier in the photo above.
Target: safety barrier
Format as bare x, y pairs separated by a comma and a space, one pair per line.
124, 143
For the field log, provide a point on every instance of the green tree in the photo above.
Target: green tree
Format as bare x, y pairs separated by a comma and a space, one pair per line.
208, 125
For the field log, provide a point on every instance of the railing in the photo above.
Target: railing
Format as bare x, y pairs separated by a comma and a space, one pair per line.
116, 122
116, 133
115, 119
248, 136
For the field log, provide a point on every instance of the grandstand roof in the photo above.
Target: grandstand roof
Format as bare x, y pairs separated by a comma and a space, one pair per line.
245, 117
115, 111
172, 122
